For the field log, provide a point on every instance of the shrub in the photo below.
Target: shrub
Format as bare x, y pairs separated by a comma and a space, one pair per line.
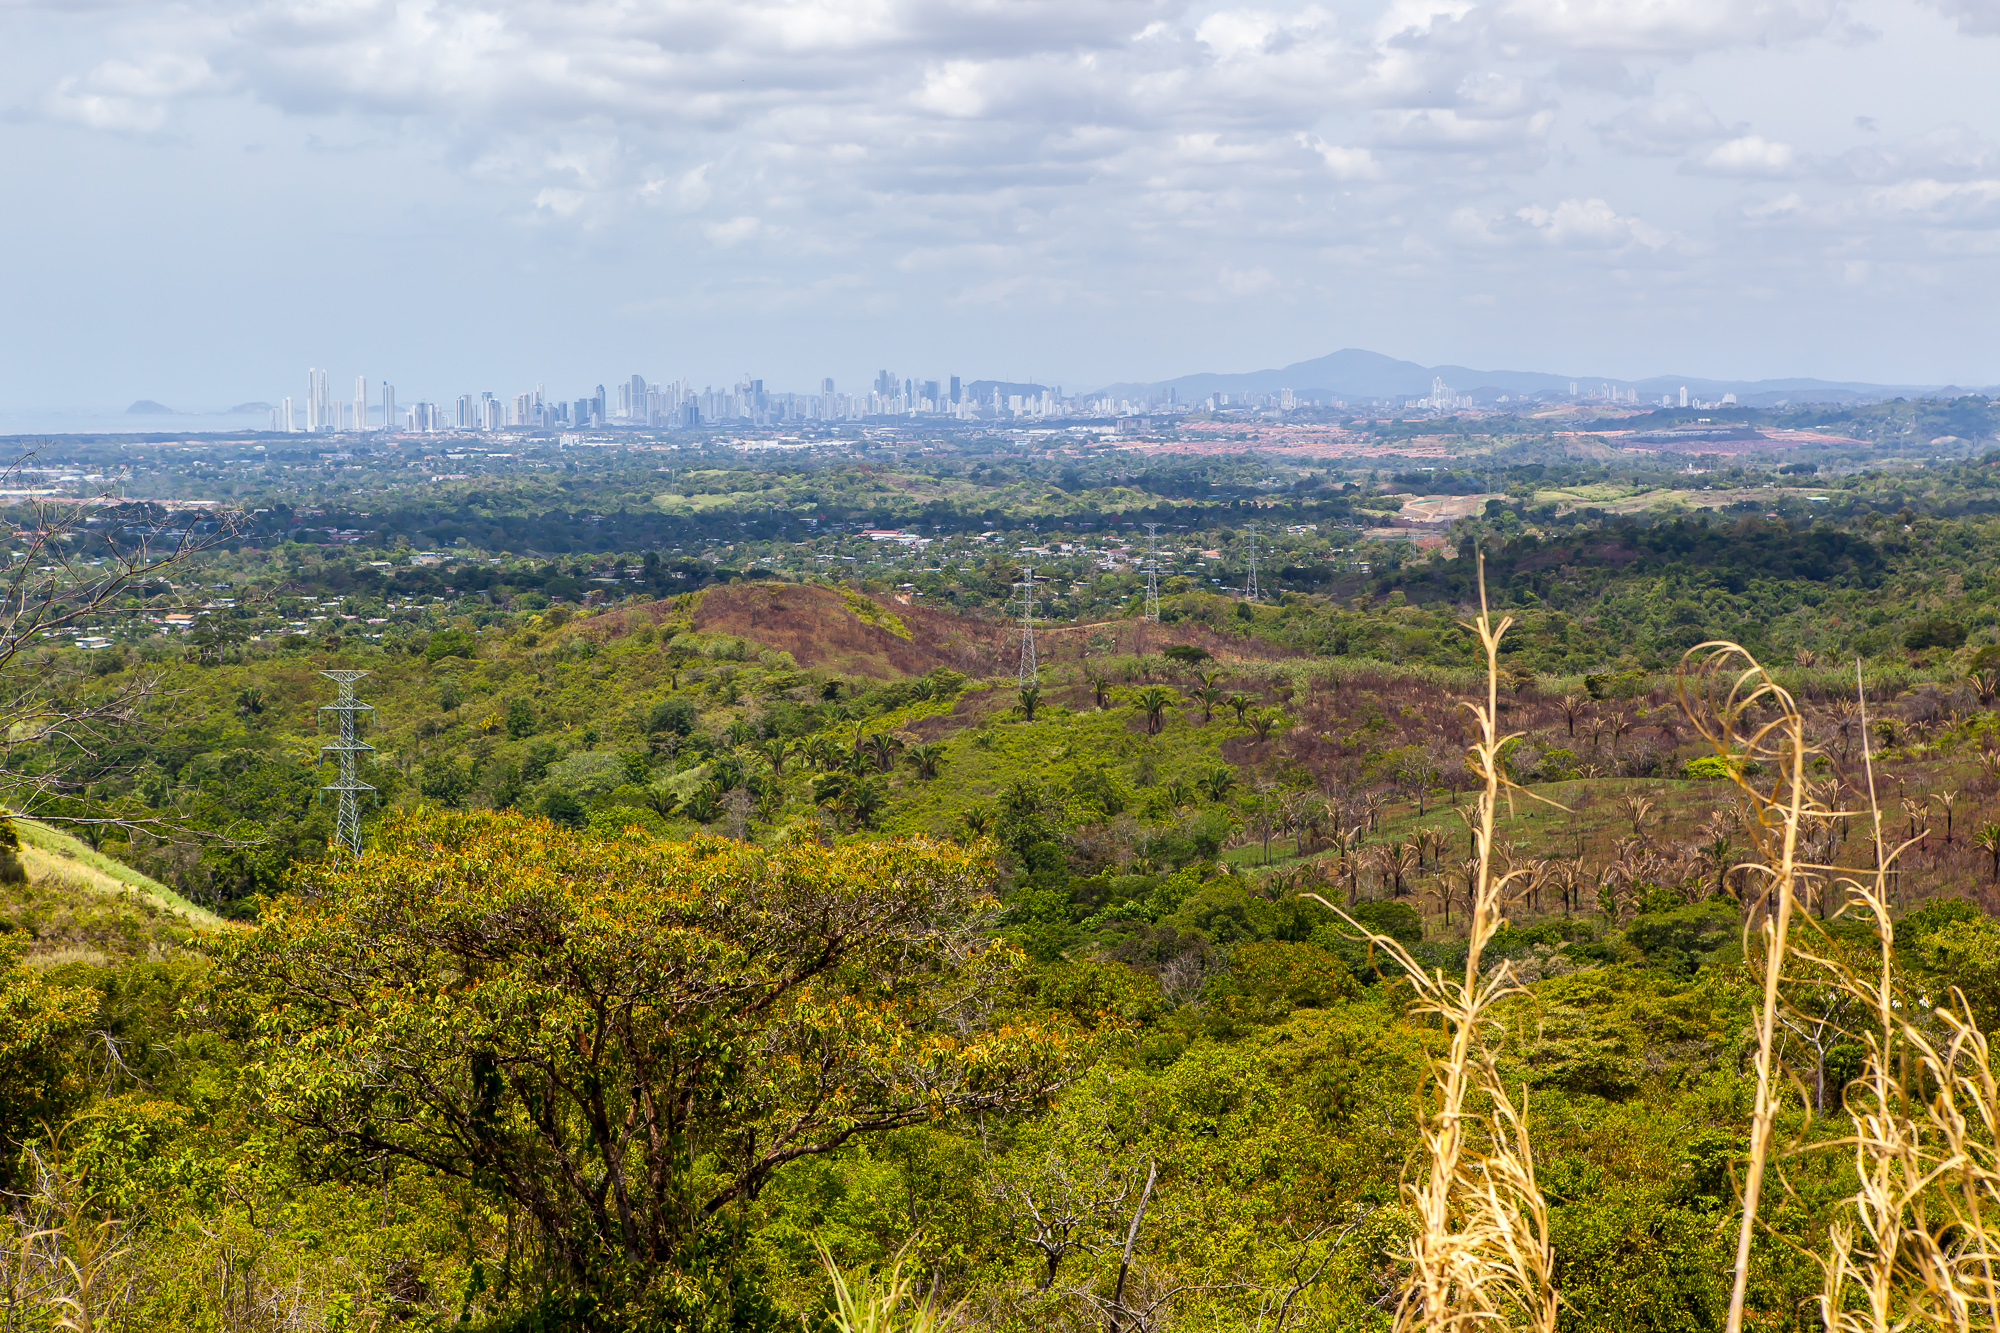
460, 643
1711, 766
676, 716
1936, 632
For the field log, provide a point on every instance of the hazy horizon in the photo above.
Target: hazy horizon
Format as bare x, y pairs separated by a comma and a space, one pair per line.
491, 194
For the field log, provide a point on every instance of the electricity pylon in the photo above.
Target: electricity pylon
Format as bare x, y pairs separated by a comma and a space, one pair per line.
1250, 584
347, 822
1152, 574
1027, 673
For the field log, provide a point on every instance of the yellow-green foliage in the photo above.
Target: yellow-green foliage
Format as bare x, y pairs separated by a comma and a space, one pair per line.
762, 1004
875, 614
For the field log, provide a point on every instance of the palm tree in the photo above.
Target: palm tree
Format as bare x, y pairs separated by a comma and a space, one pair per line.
1264, 720
1217, 782
705, 806
1100, 686
1179, 795
822, 752
1394, 861
660, 799
774, 752
1031, 699
925, 759
1154, 701
883, 748
1241, 703
861, 803
1987, 840
1573, 707
1210, 696
1638, 807
977, 820
1945, 798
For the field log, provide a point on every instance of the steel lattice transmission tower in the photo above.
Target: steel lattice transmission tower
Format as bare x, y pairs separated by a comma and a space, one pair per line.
1152, 573
1027, 674
347, 823
1250, 584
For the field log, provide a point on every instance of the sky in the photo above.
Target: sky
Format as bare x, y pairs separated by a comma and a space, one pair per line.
209, 196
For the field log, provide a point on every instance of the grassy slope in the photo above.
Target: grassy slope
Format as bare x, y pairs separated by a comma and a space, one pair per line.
52, 850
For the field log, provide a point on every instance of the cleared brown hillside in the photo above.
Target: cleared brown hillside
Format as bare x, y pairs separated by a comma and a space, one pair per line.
848, 633
830, 629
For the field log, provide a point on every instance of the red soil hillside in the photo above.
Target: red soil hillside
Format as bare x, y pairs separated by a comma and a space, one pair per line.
850, 634
847, 633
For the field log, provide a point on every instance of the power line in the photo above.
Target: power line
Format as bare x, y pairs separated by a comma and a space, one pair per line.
347, 823
1027, 674
1152, 574
1250, 584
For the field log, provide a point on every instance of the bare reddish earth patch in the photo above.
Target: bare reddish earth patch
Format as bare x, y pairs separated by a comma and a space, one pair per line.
819, 627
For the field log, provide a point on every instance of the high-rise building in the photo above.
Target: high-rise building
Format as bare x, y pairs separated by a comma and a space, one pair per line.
388, 406
1684, 395
957, 391
286, 422
361, 405
826, 387
885, 383
597, 412
468, 418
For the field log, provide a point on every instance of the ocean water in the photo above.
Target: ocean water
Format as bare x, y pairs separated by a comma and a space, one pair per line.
31, 423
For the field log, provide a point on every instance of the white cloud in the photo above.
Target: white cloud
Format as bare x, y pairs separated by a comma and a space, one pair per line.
1590, 224
1666, 126
130, 96
884, 154
1750, 155
1665, 27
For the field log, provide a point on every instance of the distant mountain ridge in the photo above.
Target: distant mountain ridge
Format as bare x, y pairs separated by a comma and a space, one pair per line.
1355, 373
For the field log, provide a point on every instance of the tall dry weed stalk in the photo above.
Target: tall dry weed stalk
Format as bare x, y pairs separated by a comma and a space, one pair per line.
1480, 1258
1756, 726
1918, 1245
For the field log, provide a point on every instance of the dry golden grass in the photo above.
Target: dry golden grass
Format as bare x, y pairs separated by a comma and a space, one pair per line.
1480, 1257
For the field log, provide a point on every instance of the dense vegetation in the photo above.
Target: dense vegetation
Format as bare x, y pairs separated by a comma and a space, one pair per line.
722, 919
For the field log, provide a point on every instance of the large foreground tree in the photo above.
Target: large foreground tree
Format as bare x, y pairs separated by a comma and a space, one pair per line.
626, 1037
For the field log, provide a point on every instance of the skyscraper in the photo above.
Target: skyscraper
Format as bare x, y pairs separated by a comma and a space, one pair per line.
957, 391
388, 406
361, 405
286, 422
